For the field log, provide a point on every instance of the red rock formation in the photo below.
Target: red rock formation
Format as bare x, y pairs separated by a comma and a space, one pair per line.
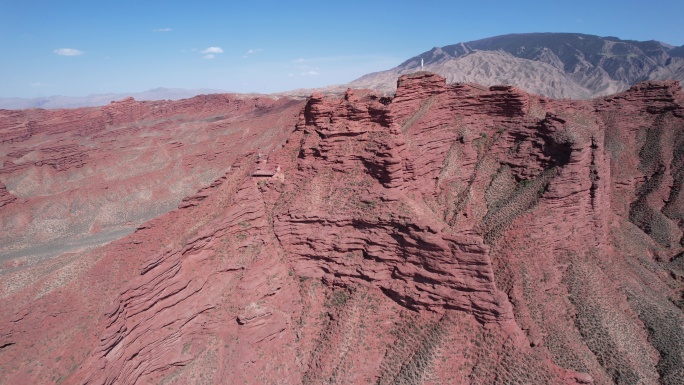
367, 231
75, 168
5, 196
452, 234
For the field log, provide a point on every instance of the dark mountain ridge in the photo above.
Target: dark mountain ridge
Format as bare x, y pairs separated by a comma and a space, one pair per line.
580, 66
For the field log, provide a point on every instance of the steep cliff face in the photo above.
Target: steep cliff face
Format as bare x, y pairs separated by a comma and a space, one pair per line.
578, 270
450, 234
346, 218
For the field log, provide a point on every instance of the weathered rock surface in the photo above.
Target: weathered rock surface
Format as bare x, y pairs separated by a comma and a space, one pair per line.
5, 196
90, 175
366, 231
449, 234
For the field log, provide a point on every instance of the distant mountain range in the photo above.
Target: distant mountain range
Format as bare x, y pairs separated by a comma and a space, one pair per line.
558, 65
101, 99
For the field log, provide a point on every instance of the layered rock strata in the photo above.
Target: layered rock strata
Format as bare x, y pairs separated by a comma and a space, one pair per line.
90, 175
450, 234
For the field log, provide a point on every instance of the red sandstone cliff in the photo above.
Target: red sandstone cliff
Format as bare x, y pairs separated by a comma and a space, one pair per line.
450, 234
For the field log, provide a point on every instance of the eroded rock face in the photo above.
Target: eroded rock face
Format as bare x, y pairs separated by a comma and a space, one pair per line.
5, 196
349, 220
90, 175
450, 234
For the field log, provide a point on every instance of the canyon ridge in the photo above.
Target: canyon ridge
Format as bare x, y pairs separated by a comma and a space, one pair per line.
444, 234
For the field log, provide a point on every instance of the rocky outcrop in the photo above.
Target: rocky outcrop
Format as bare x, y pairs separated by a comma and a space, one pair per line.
359, 235
5, 196
654, 174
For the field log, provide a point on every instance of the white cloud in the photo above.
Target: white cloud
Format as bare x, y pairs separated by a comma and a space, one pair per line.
209, 56
212, 50
68, 52
162, 30
251, 52
310, 73
300, 60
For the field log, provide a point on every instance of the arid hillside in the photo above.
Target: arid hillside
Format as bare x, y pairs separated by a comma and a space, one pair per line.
447, 234
556, 65
86, 176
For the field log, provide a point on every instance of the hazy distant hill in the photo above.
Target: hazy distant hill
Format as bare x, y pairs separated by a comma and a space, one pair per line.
559, 65
101, 99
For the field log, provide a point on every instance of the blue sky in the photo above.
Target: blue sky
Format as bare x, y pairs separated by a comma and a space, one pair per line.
75, 48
